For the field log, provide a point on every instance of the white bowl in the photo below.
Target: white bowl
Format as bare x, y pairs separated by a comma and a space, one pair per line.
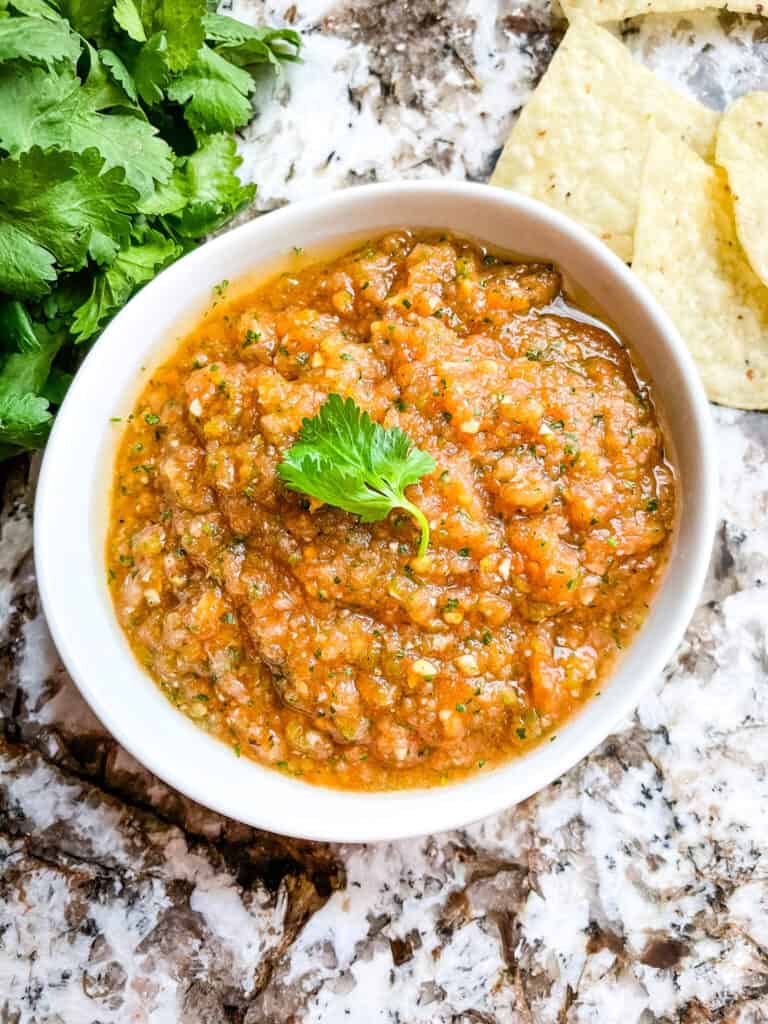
71, 517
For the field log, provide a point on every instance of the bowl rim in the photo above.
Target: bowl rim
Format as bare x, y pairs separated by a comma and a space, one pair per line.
359, 817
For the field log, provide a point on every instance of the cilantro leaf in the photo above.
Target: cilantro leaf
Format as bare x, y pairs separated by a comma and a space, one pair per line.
180, 21
24, 420
128, 17
58, 205
132, 267
37, 40
57, 385
344, 459
101, 88
150, 70
91, 18
204, 191
170, 197
243, 44
26, 268
53, 110
69, 292
119, 73
220, 28
215, 191
24, 373
37, 8
215, 93
25, 417
16, 327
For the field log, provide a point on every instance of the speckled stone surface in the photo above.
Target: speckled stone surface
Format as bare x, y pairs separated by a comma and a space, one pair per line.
635, 889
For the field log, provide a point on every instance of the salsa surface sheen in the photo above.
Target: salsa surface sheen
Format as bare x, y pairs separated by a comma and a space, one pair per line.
324, 647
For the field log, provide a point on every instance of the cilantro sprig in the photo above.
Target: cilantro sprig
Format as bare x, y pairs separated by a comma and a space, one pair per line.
344, 459
117, 155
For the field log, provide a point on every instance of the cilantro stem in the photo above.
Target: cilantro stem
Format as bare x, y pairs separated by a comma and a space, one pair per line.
421, 519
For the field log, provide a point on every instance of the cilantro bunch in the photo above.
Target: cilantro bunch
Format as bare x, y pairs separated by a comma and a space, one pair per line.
117, 155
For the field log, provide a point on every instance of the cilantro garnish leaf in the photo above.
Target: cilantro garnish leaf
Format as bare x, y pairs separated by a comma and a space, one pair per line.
343, 458
37, 40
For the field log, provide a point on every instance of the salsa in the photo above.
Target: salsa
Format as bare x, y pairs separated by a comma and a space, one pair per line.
327, 647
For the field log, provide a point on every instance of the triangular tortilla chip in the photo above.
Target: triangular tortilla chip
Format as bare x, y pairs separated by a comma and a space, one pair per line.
617, 10
581, 140
742, 150
687, 252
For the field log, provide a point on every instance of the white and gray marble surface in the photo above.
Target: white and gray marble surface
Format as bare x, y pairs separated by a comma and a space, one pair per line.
635, 889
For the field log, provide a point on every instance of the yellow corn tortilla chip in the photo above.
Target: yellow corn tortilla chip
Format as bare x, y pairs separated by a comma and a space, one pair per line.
617, 10
687, 252
580, 142
742, 150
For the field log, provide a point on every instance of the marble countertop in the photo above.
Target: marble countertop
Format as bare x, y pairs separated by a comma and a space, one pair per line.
635, 889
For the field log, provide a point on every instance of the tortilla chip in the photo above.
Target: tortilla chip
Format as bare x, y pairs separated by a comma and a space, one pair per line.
687, 252
581, 140
742, 150
617, 10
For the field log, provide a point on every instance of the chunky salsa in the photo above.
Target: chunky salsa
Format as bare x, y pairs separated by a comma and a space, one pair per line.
327, 647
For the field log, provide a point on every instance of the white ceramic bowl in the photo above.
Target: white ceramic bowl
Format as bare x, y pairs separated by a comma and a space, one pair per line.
70, 514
